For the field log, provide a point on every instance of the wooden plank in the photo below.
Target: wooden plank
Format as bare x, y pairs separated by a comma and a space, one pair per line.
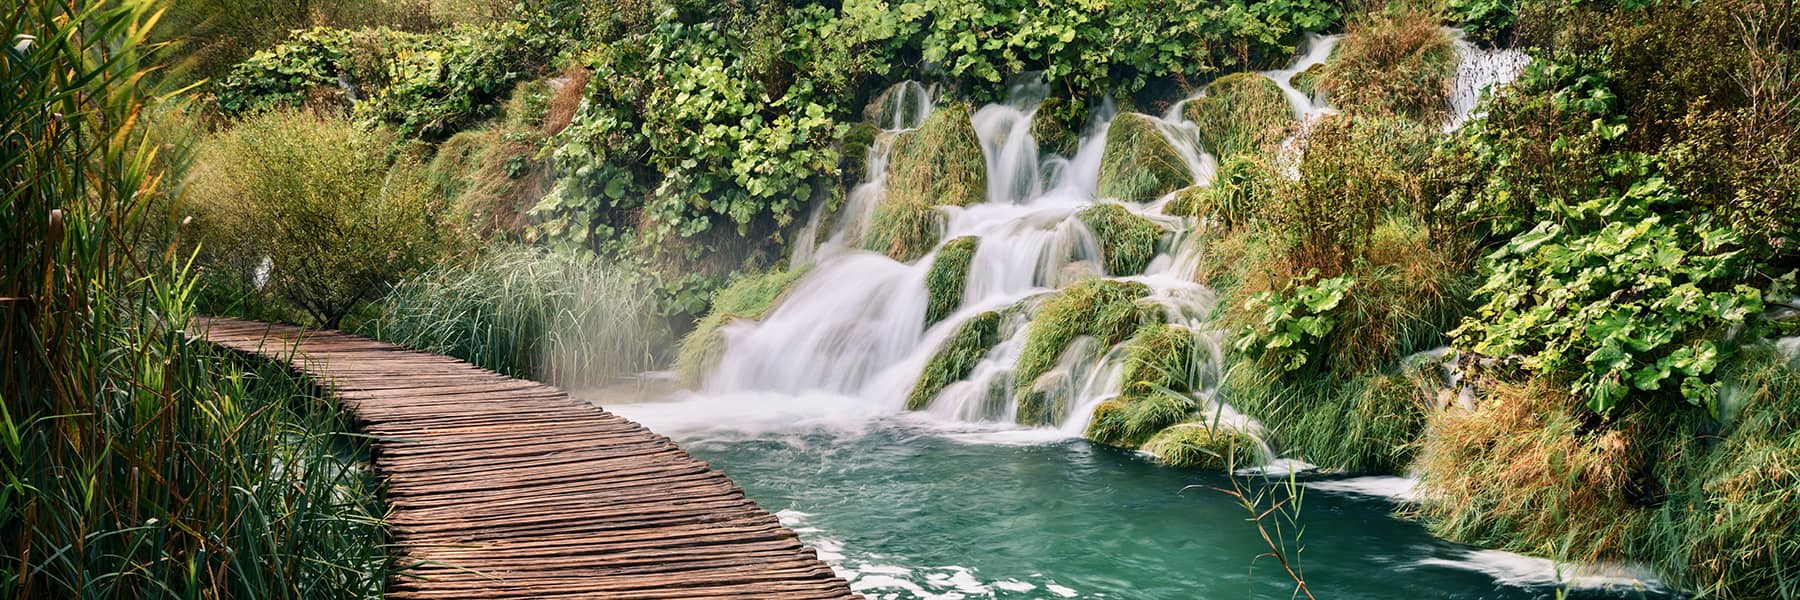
504, 488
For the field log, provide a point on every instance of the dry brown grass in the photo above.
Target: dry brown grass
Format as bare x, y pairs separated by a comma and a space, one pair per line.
567, 99
1393, 61
1523, 472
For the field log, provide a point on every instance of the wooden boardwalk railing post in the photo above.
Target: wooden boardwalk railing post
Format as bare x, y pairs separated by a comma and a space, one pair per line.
504, 488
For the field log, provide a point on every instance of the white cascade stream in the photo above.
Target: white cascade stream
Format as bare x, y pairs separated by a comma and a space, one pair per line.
852, 330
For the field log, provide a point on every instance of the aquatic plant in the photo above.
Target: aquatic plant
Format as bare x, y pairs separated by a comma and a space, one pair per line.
938, 164
563, 318
949, 273
1359, 423
1127, 240
1139, 163
956, 358
1201, 444
1130, 421
1239, 113
747, 296
1106, 310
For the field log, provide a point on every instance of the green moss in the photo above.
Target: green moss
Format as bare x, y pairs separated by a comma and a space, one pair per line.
1127, 241
853, 153
894, 107
1104, 309
1129, 421
1202, 445
748, 296
1139, 164
956, 358
949, 273
1047, 403
1306, 82
938, 164
1240, 113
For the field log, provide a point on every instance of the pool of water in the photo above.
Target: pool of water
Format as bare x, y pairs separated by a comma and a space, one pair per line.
906, 507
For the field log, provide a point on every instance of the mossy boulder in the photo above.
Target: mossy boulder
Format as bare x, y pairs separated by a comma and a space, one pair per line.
1107, 310
1239, 113
1130, 421
1139, 163
1050, 127
748, 296
1203, 445
948, 275
1127, 241
956, 358
1306, 82
1160, 357
899, 106
1242, 183
853, 153
938, 164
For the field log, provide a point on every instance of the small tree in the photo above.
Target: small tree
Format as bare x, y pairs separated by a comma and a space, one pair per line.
312, 209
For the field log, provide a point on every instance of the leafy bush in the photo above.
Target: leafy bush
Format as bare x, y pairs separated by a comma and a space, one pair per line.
566, 319
956, 358
281, 76
1294, 324
1127, 241
338, 217
748, 296
948, 275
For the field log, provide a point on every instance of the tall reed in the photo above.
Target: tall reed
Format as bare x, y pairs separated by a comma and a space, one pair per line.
562, 318
139, 463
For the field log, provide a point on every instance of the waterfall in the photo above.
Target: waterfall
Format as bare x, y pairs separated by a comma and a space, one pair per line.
1479, 72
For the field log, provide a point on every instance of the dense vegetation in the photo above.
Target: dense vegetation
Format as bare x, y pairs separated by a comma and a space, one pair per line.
1603, 256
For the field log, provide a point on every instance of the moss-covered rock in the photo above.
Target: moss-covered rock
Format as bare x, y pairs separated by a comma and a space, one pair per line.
948, 275
1203, 445
938, 164
748, 296
1046, 403
1240, 112
1127, 241
899, 106
1306, 82
1129, 421
1104, 309
956, 358
1240, 184
1160, 357
853, 153
1050, 127
1139, 164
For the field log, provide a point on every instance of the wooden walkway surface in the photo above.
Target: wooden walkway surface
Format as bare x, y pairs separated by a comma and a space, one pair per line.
504, 488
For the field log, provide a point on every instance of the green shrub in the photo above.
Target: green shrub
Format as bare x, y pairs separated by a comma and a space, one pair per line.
338, 215
1240, 113
1106, 310
1202, 445
1127, 241
956, 358
1396, 61
562, 318
1139, 163
949, 273
938, 164
747, 296
1293, 325
281, 76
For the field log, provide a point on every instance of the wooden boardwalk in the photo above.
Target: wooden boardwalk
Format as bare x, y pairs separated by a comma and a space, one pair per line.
504, 488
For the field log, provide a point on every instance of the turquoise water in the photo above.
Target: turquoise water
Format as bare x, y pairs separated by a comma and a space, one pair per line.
908, 508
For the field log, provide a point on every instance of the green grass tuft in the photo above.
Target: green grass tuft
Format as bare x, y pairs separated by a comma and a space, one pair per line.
938, 164
1202, 445
1127, 241
954, 360
949, 273
1240, 113
1139, 164
1392, 62
1103, 309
